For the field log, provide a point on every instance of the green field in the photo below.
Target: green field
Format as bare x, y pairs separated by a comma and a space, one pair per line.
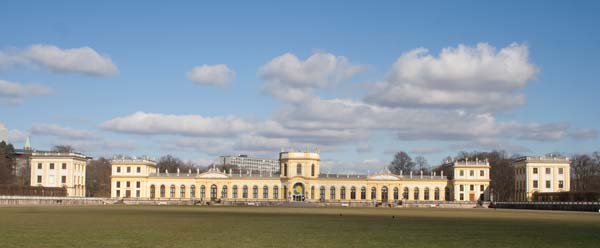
155, 226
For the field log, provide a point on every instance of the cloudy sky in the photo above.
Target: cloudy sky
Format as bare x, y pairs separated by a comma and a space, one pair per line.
360, 80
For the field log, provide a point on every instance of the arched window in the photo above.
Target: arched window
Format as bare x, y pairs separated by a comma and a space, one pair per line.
436, 194
193, 191
285, 170
373, 193
322, 193
162, 191
213, 192
447, 194
405, 193
265, 192
255, 192
298, 169
416, 193
202, 192
384, 194
395, 193
353, 193
363, 193
426, 194
235, 192
276, 193
172, 192
245, 192
343, 193
152, 193
182, 191
224, 192
312, 170
312, 192
332, 193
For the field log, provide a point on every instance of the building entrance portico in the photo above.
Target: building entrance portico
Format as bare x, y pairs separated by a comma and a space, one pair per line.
298, 192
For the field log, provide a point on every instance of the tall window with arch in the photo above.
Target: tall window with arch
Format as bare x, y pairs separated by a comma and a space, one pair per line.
224, 192
213, 192
285, 170
265, 192
182, 191
193, 191
416, 194
172, 192
426, 194
235, 192
373, 193
202, 192
343, 193
332, 193
363, 193
396, 193
152, 193
353, 193
245, 192
312, 170
276, 193
299, 169
322, 193
405, 193
255, 192
436, 194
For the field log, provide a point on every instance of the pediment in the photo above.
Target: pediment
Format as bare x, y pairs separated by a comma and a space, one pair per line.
383, 177
213, 174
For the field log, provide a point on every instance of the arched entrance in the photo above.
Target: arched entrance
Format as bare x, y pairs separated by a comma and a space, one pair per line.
298, 192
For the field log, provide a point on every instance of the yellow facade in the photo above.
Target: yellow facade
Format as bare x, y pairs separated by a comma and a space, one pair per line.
541, 174
54, 169
300, 180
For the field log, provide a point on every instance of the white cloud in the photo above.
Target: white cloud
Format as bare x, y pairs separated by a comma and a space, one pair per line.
15, 93
63, 132
84, 60
218, 75
584, 133
289, 78
424, 150
188, 125
463, 77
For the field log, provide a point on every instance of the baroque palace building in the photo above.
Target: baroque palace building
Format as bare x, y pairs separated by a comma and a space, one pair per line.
299, 180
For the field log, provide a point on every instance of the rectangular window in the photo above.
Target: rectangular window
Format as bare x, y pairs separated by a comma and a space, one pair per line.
63, 179
548, 170
462, 188
561, 184
560, 171
137, 193
128, 169
462, 173
462, 196
535, 184
481, 173
535, 170
118, 193
64, 166
40, 166
128, 184
39, 179
118, 169
137, 184
139, 169
472, 187
118, 184
481, 188
52, 166
472, 173
548, 184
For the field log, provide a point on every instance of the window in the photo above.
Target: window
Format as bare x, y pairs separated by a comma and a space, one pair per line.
481, 173
353, 193
560, 171
118, 193
245, 192
137, 193
172, 192
128, 169
548, 170
312, 170
462, 188
118, 169
118, 184
535, 184
462, 196
202, 191
447, 194
481, 187
255, 192
472, 173
128, 184
332, 193
265, 192
416, 194
138, 169
462, 173
471, 187
363, 193
64, 166
224, 192
405, 193
235, 192
152, 194
426, 194
343, 193
548, 184
298, 169
276, 192
39, 179
396, 194
322, 193
561, 184
193, 191
52, 166
436, 194
162, 191
535, 170
63, 179
39, 166
182, 191
285, 170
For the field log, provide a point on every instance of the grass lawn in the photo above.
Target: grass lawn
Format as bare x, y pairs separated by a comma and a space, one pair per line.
162, 226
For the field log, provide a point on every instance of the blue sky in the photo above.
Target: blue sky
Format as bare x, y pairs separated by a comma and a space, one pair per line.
200, 80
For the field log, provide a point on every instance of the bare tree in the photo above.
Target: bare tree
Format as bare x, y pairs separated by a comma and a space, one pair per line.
421, 164
172, 163
586, 172
402, 163
62, 148
97, 177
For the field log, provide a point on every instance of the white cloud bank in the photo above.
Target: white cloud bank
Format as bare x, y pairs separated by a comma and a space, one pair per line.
217, 75
15, 93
